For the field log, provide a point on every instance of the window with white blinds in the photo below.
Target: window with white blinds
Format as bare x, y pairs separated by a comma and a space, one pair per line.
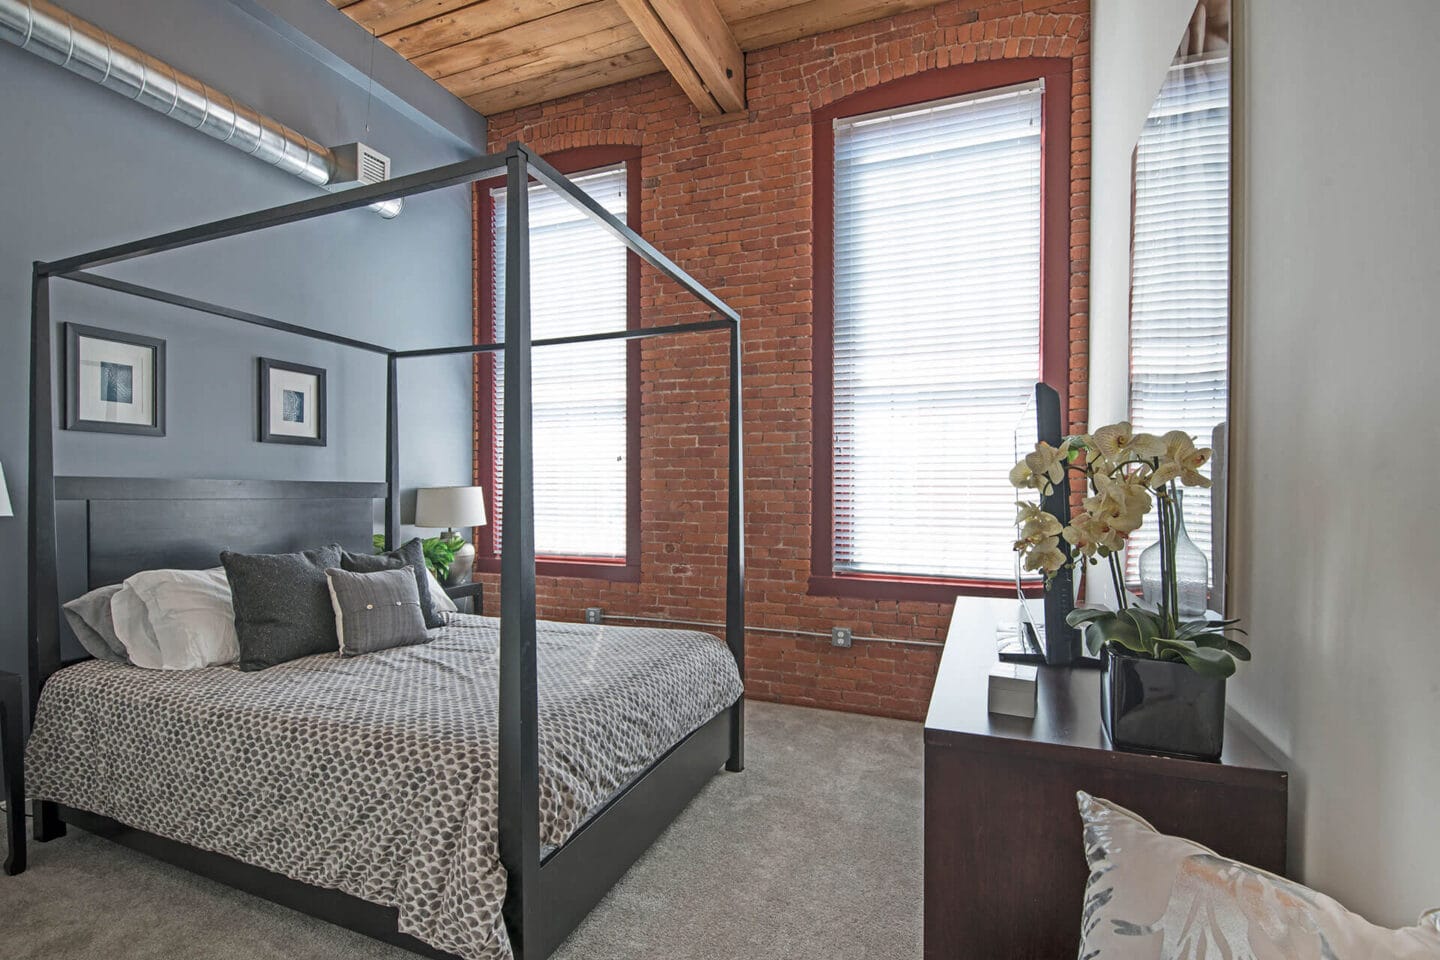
1180, 274
936, 331
578, 285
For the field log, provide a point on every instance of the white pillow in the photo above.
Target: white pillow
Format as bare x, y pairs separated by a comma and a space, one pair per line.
177, 619
132, 628
1154, 897
439, 599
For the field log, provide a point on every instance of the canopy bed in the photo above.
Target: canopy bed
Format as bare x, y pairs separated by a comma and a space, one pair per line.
553, 867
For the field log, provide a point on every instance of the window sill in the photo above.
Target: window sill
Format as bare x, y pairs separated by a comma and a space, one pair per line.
584, 569
924, 589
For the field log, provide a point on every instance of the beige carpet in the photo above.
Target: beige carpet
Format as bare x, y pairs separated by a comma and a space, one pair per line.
813, 852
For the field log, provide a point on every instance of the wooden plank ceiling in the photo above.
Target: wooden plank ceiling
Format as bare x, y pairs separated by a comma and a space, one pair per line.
497, 55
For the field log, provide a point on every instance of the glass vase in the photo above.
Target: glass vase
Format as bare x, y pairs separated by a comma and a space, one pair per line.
1150, 574
1192, 569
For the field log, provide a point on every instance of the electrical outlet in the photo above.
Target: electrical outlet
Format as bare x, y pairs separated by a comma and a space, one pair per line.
594, 615
840, 636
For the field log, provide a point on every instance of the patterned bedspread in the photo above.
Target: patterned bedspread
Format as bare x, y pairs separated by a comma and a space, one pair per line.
375, 775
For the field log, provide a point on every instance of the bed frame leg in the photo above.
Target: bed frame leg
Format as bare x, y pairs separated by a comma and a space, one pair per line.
48, 825
736, 763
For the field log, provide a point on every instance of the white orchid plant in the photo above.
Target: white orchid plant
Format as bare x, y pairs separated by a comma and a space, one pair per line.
1128, 475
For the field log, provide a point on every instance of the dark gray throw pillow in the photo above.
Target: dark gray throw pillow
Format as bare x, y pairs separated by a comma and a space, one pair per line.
282, 605
89, 616
376, 611
411, 555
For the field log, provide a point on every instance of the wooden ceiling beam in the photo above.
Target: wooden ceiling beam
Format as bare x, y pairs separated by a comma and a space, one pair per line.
694, 42
710, 44
658, 36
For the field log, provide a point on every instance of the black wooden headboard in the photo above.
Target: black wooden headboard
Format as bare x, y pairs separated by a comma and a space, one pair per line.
134, 524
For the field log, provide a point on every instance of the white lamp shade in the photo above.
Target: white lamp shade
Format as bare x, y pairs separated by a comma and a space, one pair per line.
5, 510
450, 507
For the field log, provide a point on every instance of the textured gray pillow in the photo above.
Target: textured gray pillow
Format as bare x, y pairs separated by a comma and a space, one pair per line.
282, 605
411, 555
376, 611
94, 625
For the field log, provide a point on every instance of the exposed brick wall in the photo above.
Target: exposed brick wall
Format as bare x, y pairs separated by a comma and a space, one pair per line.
731, 203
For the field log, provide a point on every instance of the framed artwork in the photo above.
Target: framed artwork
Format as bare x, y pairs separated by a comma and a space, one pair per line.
292, 403
114, 382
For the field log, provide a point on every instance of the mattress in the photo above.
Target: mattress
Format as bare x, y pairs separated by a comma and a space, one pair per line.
375, 775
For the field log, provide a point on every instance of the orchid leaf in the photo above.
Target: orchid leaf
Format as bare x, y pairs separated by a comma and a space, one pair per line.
1143, 619
1124, 633
1211, 662
1203, 660
1082, 615
1214, 641
1192, 628
1096, 629
1146, 626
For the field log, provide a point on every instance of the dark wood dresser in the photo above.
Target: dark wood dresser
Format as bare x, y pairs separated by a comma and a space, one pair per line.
1004, 862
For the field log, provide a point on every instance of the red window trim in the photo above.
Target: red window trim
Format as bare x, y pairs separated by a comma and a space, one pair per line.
486, 559
1055, 293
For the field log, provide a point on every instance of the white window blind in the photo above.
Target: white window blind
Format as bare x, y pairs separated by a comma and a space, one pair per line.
937, 331
1180, 274
578, 285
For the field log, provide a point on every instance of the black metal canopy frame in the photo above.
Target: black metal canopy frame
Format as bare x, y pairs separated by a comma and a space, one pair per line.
545, 899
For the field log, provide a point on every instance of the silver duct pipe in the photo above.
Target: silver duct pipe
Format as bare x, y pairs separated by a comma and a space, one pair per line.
86, 50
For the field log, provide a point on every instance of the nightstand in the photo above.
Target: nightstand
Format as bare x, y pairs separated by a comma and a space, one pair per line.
12, 772
473, 592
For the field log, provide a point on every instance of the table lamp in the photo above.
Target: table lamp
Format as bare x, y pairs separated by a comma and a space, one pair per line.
452, 507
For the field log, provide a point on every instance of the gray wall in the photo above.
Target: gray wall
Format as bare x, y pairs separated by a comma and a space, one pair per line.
81, 168
1336, 445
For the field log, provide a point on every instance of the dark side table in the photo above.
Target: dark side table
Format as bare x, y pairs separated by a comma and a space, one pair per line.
12, 772
473, 592
1004, 861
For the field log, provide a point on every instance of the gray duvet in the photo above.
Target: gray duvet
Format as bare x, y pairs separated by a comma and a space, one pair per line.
374, 775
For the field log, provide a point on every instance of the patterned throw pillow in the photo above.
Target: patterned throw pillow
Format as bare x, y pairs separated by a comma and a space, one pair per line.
1156, 897
376, 611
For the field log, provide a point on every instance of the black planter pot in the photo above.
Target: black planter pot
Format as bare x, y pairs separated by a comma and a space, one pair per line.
1161, 706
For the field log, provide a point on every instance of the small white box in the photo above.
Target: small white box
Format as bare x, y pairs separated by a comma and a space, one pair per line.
1012, 689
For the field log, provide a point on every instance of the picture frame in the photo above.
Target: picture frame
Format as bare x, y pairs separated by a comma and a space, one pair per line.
293, 406
114, 381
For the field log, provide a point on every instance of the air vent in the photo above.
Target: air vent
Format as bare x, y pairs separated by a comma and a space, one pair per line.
374, 167
358, 163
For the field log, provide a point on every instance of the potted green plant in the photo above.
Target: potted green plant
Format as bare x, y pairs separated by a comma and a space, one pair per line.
1165, 667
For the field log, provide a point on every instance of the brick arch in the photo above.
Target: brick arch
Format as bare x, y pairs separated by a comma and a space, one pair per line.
976, 41
561, 133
